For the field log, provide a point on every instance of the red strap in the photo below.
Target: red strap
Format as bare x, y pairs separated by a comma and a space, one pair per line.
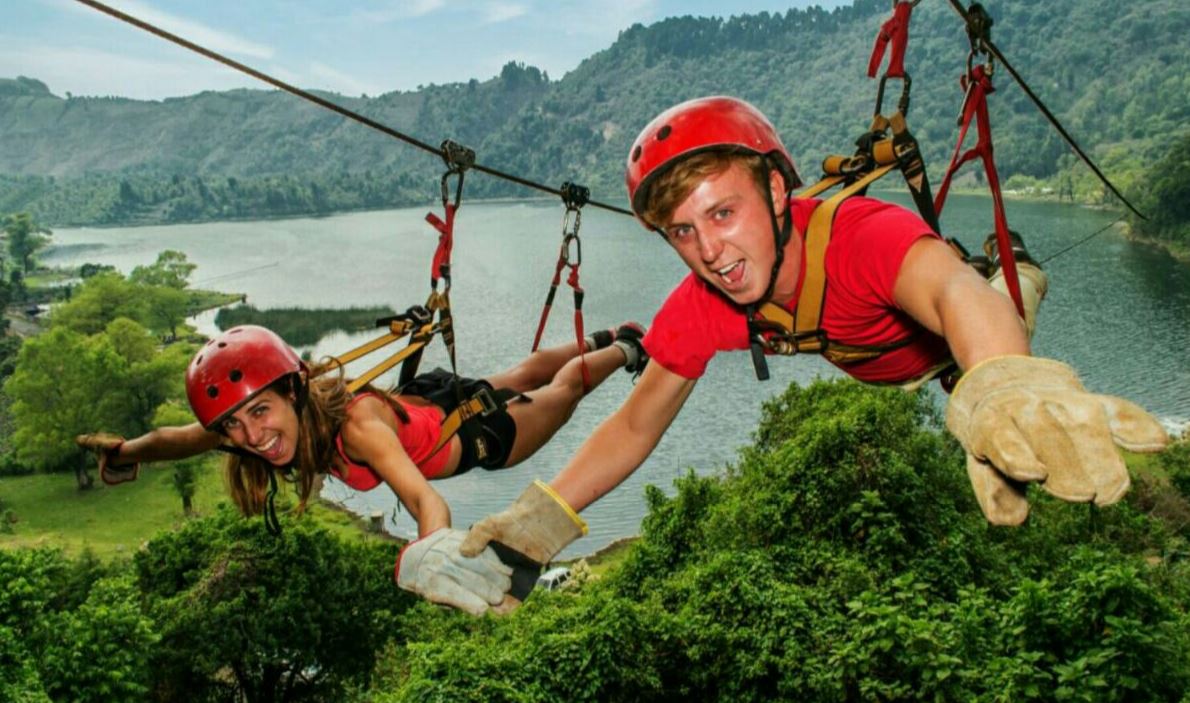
549, 300
978, 86
572, 280
895, 31
440, 266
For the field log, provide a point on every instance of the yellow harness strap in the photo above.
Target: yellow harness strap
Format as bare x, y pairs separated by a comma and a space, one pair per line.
800, 332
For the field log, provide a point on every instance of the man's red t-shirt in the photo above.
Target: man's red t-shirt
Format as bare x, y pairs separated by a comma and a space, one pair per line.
868, 243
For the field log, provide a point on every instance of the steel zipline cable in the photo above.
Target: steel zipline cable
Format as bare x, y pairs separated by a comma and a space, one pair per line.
979, 30
1083, 241
322, 102
983, 38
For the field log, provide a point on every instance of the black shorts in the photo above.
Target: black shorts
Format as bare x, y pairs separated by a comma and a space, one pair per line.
489, 436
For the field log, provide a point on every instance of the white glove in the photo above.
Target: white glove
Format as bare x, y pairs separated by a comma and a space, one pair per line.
433, 568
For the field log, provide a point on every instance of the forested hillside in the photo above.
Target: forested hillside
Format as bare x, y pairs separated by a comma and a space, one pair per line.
1114, 73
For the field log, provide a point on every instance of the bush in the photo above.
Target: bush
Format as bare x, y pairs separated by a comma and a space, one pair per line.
841, 558
245, 615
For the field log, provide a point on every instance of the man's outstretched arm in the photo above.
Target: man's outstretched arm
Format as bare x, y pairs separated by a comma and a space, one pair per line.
1020, 419
949, 298
544, 519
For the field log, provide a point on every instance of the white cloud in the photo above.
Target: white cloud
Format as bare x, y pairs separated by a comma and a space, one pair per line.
84, 71
328, 78
399, 10
502, 12
197, 32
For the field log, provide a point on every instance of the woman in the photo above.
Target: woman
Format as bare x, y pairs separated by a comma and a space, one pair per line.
250, 390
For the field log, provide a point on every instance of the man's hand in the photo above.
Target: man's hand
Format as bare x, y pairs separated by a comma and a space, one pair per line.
107, 451
538, 524
1023, 419
433, 568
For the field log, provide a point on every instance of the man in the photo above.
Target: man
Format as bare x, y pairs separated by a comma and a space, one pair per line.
712, 177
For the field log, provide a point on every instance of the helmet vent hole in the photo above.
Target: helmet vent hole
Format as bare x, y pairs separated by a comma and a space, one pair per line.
664, 133
235, 375
212, 392
197, 360
636, 154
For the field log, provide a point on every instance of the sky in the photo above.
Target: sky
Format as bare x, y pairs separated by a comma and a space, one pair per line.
351, 47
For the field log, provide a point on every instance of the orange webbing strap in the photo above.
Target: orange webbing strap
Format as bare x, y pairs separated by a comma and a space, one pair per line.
826, 183
420, 338
481, 404
780, 321
415, 321
818, 236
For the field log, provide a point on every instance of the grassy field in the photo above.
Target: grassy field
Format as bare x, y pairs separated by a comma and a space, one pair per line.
111, 520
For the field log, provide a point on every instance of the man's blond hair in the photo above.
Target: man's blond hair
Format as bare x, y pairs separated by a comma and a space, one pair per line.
679, 181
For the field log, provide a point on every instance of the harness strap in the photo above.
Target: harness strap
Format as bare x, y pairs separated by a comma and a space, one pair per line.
570, 256
481, 404
894, 32
978, 85
807, 335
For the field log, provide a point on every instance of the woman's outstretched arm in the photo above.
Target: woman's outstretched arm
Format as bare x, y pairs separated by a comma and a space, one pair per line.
369, 439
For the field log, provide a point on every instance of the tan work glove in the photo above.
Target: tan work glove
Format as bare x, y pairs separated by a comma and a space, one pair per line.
1023, 419
107, 451
538, 524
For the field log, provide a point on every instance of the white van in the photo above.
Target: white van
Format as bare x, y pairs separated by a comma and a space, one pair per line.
555, 578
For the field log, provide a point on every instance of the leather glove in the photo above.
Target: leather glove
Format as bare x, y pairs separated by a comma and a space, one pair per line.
538, 525
107, 450
1024, 420
433, 568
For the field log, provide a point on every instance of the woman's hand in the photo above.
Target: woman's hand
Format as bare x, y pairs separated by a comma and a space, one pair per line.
433, 568
107, 451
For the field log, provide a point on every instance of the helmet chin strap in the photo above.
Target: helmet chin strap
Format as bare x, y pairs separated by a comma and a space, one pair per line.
781, 234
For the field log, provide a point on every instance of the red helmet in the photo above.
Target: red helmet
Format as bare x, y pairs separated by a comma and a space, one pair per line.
233, 367
699, 125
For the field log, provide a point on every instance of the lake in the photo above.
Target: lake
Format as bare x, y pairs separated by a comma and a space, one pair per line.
1117, 311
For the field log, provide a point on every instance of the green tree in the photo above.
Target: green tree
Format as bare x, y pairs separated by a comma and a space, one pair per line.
166, 308
25, 238
60, 388
246, 616
99, 300
100, 652
186, 471
171, 269
79, 631
66, 383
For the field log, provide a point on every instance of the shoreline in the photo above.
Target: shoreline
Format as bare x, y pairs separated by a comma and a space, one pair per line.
1177, 251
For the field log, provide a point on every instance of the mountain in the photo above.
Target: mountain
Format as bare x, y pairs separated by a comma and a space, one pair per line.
1114, 73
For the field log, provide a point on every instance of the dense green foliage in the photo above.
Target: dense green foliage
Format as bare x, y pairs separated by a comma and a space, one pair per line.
217, 611
25, 237
67, 383
302, 326
70, 630
98, 367
1165, 196
842, 558
1114, 73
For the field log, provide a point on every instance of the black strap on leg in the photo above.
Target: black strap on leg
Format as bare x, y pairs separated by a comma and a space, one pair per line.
271, 523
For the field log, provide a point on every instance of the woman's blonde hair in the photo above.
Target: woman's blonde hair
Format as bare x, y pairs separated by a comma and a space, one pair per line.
679, 181
321, 414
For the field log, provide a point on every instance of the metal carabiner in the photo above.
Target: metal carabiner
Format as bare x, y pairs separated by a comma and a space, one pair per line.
572, 250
